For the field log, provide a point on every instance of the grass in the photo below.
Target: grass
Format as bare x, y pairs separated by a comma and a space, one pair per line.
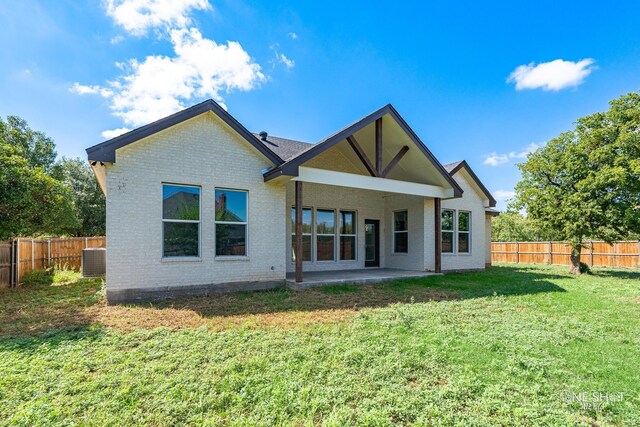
505, 347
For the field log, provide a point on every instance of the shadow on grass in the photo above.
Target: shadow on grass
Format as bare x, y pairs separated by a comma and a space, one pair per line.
38, 308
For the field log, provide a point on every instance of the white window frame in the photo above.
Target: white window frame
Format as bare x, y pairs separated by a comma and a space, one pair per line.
316, 234
189, 221
454, 227
354, 235
458, 232
293, 233
393, 226
245, 223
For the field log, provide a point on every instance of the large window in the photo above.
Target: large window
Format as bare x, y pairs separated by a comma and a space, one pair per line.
325, 235
180, 221
400, 232
307, 229
464, 232
231, 222
348, 226
448, 219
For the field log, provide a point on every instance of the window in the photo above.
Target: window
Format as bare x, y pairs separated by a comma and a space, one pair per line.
400, 232
325, 235
448, 219
180, 221
231, 222
464, 232
348, 232
306, 234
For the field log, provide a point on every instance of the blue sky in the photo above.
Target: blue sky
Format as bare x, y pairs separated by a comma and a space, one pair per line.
75, 69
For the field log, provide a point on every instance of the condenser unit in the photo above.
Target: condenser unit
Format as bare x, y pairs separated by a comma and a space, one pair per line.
94, 262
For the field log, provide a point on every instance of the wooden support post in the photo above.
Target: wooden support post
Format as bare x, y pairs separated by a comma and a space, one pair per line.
298, 249
48, 253
591, 254
517, 252
438, 232
550, 261
379, 146
17, 262
33, 257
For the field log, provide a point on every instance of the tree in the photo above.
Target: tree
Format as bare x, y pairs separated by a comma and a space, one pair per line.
86, 194
31, 202
512, 226
585, 183
38, 149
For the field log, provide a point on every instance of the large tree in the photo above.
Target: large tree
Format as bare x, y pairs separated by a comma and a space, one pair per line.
38, 149
511, 226
585, 183
32, 202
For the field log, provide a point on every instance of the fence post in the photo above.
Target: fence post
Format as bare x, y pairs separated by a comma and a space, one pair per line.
86, 242
550, 258
18, 261
48, 253
517, 252
591, 253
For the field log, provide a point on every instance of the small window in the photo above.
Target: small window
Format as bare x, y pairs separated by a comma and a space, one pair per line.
325, 235
464, 232
347, 235
231, 222
400, 232
448, 219
180, 221
306, 234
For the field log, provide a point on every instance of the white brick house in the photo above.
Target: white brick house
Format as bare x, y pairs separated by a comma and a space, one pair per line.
198, 204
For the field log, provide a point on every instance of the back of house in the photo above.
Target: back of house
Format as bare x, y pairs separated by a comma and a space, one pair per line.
198, 204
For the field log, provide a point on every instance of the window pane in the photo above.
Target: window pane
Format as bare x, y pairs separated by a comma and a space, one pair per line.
447, 220
401, 242
306, 220
463, 242
231, 206
180, 239
347, 222
400, 221
347, 247
179, 202
306, 248
463, 221
447, 242
325, 250
231, 239
325, 222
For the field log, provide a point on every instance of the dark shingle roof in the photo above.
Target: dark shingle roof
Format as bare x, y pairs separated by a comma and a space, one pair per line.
284, 148
451, 166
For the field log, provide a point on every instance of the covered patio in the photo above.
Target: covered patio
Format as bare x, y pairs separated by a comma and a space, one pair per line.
352, 277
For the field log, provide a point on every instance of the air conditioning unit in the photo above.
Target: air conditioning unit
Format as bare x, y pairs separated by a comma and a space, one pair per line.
94, 262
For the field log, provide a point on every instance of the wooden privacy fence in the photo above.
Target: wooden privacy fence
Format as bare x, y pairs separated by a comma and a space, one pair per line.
594, 253
20, 256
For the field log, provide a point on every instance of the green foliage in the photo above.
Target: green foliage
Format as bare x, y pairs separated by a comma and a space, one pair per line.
37, 148
32, 202
506, 352
39, 196
87, 196
58, 276
511, 226
586, 183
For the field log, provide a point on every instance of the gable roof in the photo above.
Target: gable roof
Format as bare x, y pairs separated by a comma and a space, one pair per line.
454, 167
285, 148
291, 165
106, 151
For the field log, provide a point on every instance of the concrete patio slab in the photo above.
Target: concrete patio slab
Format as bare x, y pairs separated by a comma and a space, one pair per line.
353, 277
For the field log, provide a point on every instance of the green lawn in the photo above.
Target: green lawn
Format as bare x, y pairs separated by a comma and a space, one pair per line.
504, 347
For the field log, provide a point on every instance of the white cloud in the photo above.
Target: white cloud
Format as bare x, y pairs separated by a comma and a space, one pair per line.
503, 195
551, 76
159, 85
117, 39
523, 154
293, 35
108, 134
495, 159
138, 16
289, 63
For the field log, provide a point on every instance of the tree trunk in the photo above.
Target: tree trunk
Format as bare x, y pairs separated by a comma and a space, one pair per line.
575, 259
